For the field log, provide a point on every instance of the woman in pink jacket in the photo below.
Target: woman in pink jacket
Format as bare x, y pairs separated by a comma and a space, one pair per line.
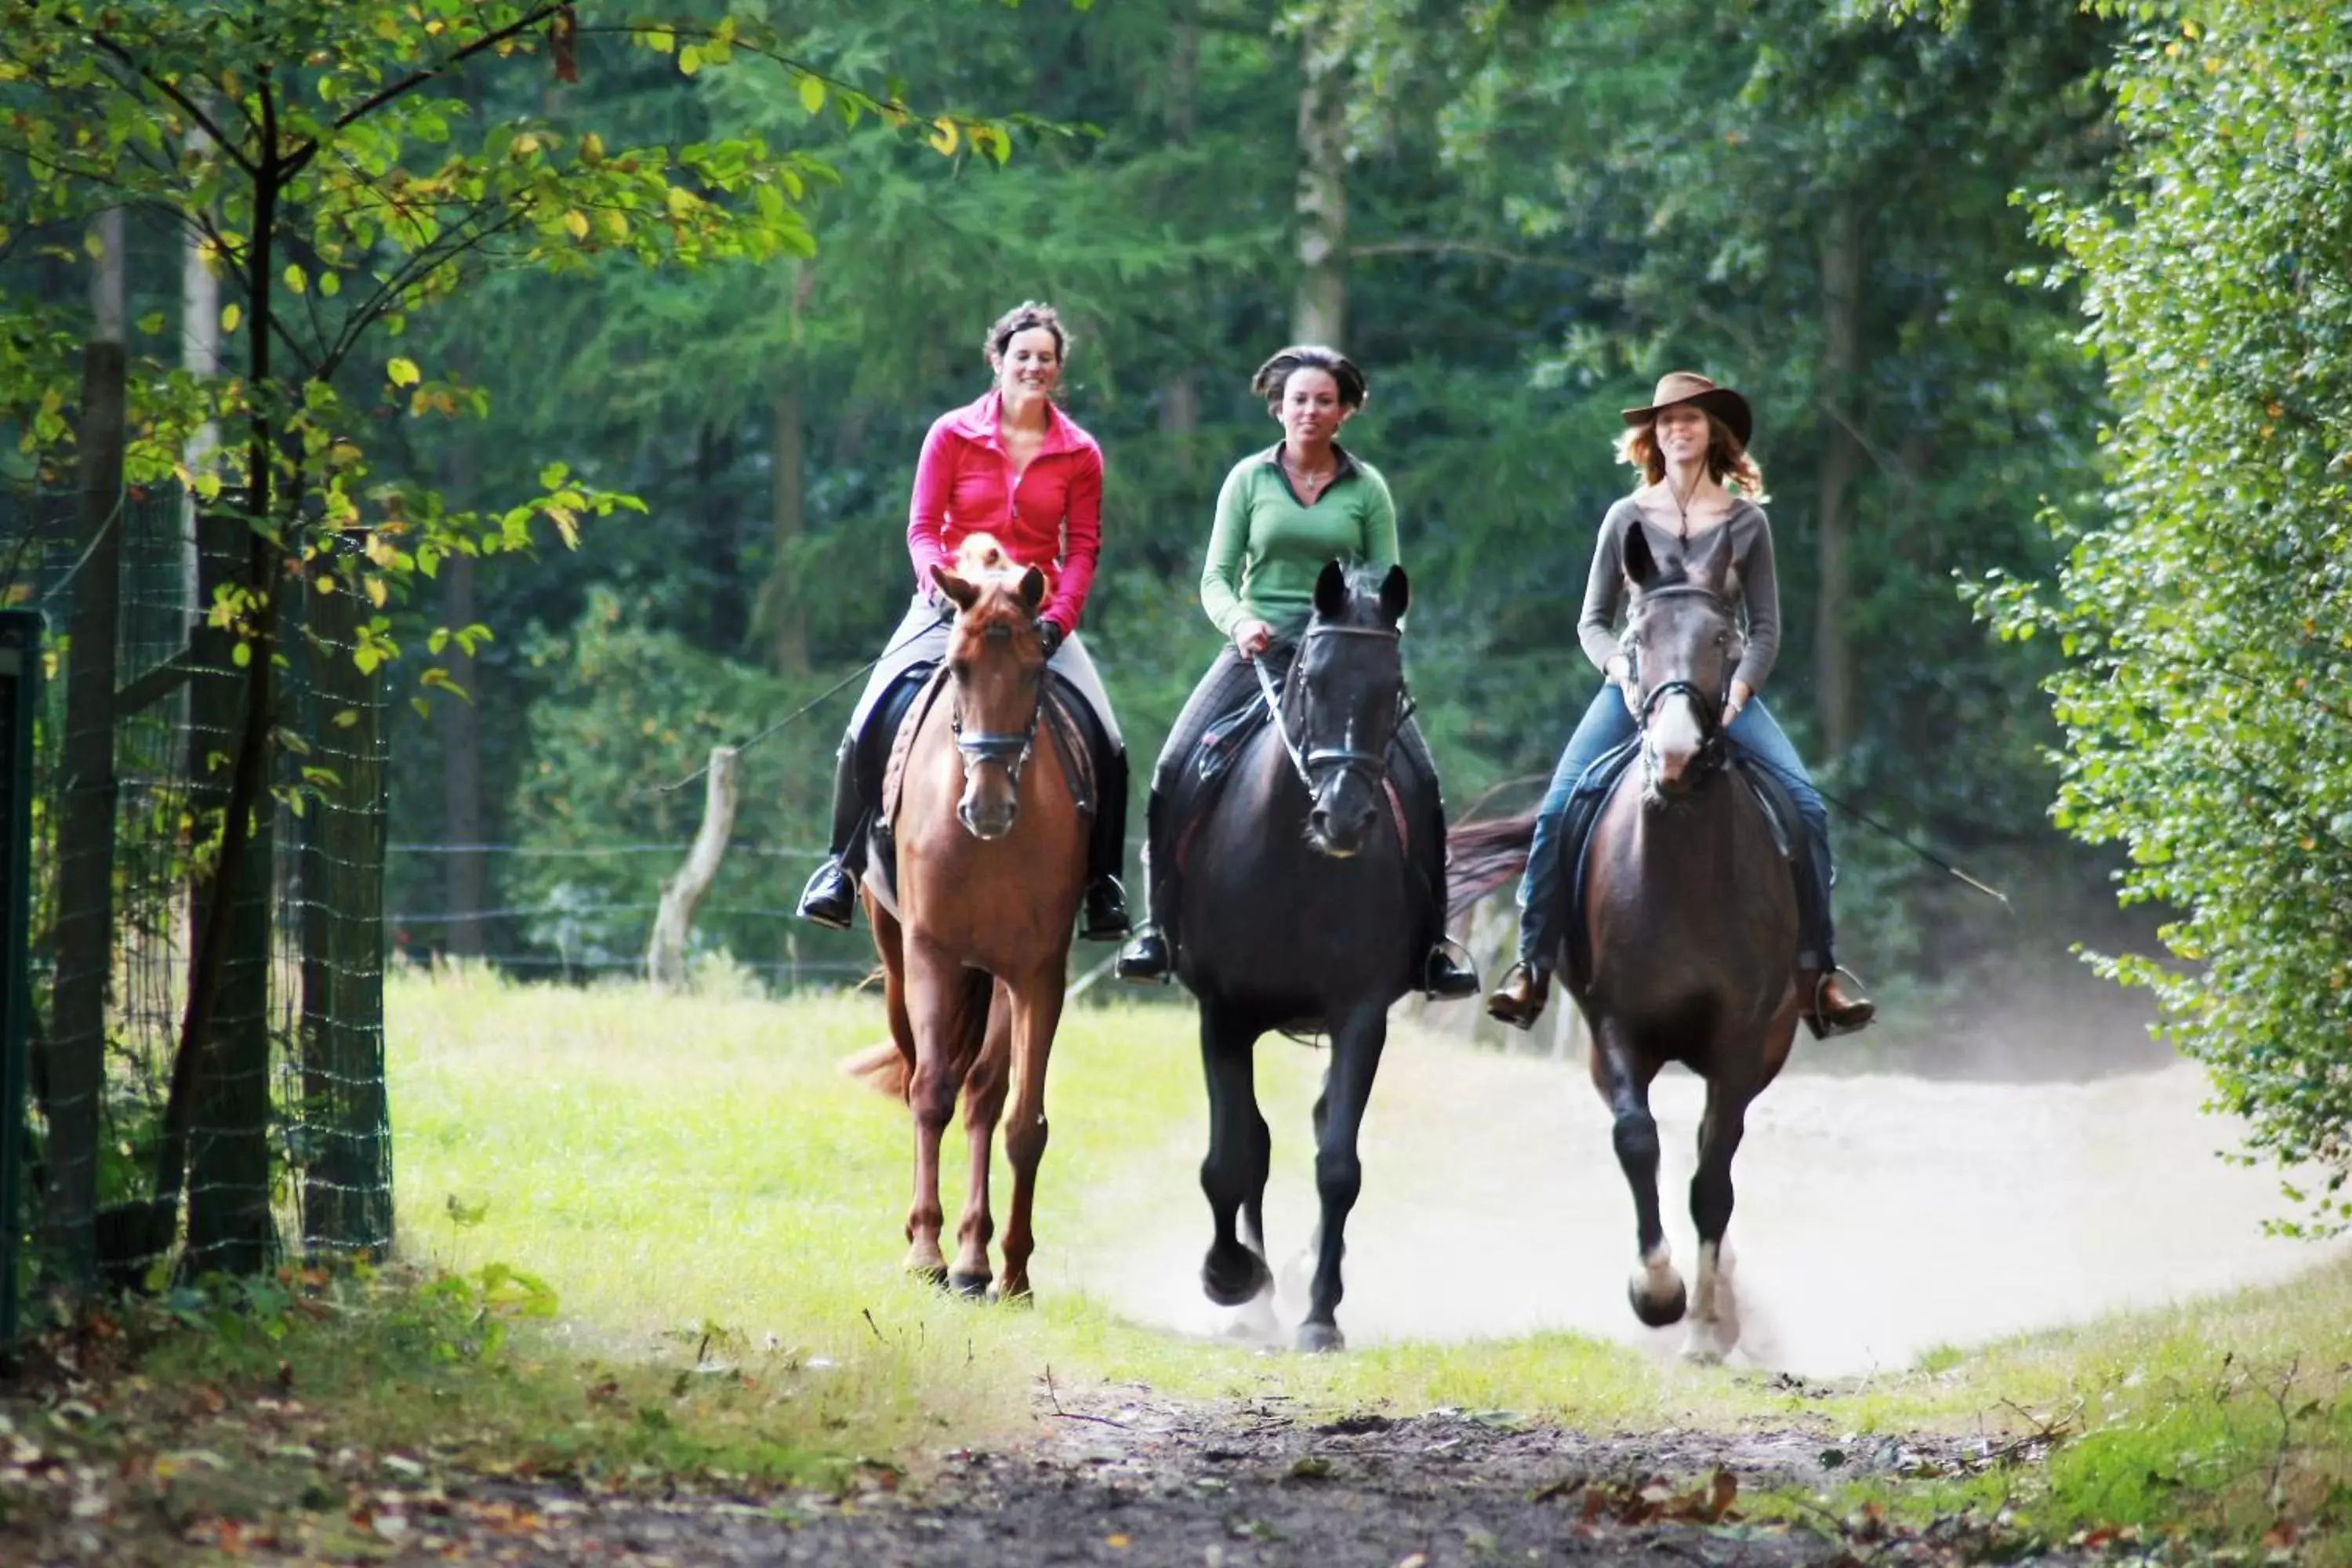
1015, 467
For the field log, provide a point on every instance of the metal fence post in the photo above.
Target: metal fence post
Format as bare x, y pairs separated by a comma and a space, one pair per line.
20, 677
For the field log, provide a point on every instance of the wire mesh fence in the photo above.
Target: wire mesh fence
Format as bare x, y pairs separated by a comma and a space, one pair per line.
273, 1125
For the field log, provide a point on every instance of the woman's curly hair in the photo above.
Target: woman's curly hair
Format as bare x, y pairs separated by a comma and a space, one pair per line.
1019, 319
1727, 462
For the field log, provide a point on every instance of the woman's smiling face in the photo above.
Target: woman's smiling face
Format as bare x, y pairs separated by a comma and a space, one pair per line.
1030, 365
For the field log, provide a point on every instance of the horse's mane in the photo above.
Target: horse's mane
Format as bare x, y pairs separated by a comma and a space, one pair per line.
981, 561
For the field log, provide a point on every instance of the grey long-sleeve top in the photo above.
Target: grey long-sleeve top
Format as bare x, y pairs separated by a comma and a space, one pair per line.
1754, 587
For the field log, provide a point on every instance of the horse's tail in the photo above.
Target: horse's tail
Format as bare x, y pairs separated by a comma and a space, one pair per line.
1480, 856
881, 1068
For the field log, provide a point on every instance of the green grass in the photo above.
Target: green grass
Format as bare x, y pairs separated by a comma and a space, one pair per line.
694, 1179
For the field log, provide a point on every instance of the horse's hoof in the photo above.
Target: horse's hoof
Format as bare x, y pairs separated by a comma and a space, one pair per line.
934, 1274
1656, 1311
1319, 1339
1014, 1296
1229, 1283
972, 1286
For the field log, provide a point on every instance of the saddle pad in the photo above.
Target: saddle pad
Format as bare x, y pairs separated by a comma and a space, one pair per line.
1600, 783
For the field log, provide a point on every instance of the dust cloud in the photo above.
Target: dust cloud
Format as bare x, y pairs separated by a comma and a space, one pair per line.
1880, 1215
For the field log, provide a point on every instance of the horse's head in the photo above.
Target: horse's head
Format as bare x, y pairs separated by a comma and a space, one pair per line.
1684, 641
1343, 702
998, 663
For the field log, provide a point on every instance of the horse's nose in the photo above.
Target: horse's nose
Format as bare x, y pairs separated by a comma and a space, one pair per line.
987, 819
1674, 767
1340, 830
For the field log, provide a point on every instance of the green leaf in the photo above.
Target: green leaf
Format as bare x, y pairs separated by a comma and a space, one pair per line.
231, 314
812, 94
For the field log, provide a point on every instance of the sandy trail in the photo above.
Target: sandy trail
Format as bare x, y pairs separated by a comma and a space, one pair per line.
1878, 1216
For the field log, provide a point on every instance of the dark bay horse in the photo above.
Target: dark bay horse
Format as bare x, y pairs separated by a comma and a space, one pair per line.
1689, 927
1296, 912
991, 854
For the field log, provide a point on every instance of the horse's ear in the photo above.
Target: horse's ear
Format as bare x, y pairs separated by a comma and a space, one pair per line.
964, 595
1640, 567
1712, 570
1033, 590
1396, 596
1331, 591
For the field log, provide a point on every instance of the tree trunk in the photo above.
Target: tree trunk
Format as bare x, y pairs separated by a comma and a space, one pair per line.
343, 1128
216, 1120
727, 604
76, 1066
1842, 464
1179, 394
783, 622
1320, 314
674, 921
465, 869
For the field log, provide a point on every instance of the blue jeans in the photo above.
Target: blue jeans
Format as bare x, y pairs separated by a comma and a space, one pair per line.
1606, 726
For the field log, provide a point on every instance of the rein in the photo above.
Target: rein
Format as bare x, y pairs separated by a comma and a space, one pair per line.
1012, 749
1374, 765
1714, 748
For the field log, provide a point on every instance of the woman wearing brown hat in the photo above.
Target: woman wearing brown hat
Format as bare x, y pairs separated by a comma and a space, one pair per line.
1686, 442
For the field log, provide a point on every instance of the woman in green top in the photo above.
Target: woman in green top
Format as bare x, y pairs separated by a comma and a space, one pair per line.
1282, 514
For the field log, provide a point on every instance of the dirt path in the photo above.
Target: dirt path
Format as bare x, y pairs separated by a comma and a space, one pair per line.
1878, 1216
1141, 1483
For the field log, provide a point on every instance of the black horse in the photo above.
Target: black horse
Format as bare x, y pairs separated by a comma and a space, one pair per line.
1689, 927
1300, 909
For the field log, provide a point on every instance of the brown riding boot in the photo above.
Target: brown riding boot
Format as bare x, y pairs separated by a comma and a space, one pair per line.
1519, 1000
1828, 1010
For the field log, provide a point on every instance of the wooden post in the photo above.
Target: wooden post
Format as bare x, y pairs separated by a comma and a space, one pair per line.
666, 956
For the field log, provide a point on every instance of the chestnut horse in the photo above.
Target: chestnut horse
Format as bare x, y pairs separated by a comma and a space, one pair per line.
992, 857
1689, 927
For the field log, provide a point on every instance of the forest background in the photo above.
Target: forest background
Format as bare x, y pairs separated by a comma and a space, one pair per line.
1514, 224
2025, 294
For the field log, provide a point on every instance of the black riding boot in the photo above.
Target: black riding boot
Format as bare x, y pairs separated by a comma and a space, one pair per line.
1150, 957
1444, 977
831, 897
1105, 917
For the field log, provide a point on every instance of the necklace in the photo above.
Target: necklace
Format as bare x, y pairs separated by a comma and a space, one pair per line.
1301, 479
1682, 507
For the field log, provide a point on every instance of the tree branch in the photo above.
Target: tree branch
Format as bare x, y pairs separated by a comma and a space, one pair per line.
188, 105
1450, 247
369, 105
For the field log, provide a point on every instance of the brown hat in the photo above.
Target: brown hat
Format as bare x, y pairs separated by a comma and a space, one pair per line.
1679, 387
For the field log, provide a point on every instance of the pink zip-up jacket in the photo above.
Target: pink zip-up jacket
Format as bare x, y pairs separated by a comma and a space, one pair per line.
1052, 520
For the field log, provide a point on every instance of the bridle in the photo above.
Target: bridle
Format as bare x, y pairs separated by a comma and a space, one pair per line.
1713, 747
1372, 766
1010, 749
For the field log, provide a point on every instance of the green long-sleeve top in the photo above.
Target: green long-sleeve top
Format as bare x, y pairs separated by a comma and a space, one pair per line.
1267, 550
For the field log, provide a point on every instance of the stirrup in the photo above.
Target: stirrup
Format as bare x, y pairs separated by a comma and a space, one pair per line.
1520, 1000
831, 897
1150, 959
1444, 977
1823, 1028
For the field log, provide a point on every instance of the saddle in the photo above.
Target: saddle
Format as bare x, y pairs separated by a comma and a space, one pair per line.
1595, 790
1064, 722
